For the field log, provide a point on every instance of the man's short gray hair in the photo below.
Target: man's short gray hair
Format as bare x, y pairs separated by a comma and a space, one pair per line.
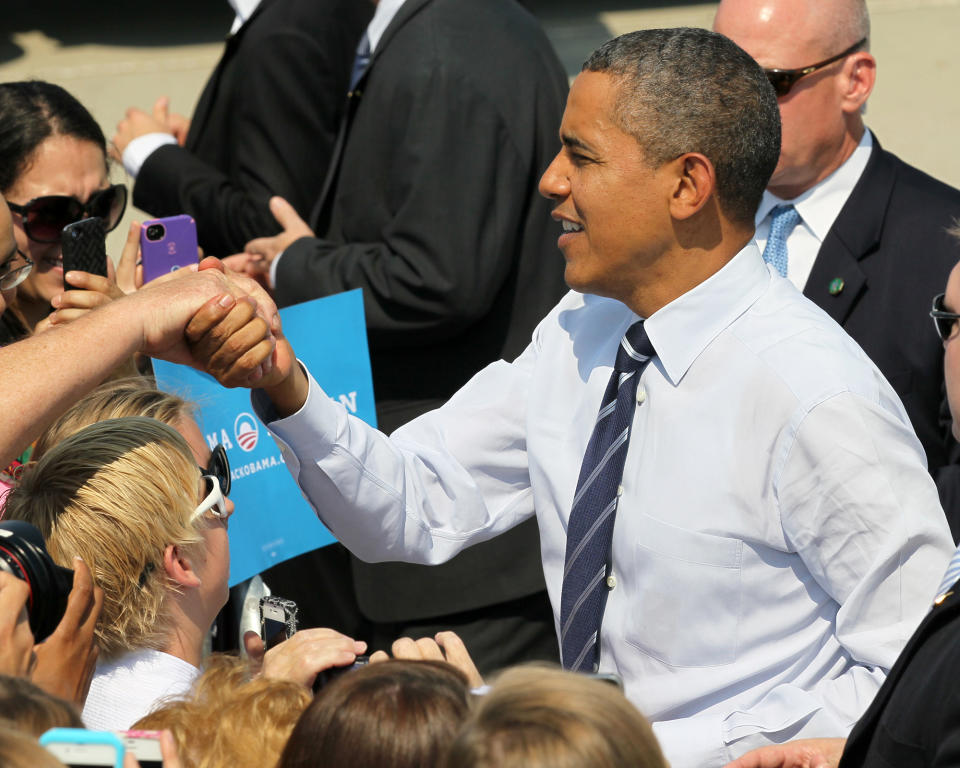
691, 90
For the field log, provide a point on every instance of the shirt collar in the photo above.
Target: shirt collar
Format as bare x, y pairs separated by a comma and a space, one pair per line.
682, 329
244, 10
386, 10
820, 205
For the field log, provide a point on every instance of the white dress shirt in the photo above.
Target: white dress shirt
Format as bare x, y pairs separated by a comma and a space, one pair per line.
818, 207
126, 688
778, 537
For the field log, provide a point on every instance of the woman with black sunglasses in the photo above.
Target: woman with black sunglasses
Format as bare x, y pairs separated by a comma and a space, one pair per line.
53, 172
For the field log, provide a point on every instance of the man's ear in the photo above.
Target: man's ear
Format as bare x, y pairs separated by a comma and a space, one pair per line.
860, 71
179, 568
695, 181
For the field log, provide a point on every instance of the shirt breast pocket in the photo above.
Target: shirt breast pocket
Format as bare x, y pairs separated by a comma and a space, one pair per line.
689, 595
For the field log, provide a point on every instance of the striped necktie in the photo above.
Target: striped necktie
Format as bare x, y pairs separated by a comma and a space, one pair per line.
783, 219
952, 574
590, 529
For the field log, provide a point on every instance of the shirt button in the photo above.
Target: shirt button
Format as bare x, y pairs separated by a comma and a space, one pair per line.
619, 490
611, 581
641, 395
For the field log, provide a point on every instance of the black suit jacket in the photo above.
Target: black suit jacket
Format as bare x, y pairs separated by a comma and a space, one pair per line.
432, 209
890, 247
265, 124
914, 720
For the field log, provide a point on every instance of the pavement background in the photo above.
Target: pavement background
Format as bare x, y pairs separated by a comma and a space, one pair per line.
130, 53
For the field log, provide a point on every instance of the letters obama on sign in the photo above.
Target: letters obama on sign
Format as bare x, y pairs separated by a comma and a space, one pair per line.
273, 522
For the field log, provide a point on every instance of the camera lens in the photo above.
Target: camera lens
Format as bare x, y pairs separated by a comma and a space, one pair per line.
23, 553
155, 232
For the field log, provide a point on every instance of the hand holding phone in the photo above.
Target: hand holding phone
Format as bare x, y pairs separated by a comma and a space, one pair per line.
278, 620
84, 247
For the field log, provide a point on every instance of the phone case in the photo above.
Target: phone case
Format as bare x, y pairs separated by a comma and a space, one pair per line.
84, 246
280, 607
64, 741
175, 249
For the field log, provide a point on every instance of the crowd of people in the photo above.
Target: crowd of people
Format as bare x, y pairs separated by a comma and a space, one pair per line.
668, 469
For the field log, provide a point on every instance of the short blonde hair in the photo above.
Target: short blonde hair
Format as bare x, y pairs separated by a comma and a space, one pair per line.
116, 493
229, 719
132, 396
18, 750
543, 717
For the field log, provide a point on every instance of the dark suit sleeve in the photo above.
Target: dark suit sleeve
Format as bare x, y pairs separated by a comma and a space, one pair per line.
283, 127
448, 212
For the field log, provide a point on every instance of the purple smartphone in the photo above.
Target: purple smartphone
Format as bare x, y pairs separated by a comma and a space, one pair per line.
167, 244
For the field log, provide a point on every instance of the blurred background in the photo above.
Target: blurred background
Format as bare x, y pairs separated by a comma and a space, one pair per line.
130, 53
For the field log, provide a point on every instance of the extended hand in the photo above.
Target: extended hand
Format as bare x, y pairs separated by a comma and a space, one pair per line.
803, 753
267, 248
138, 123
444, 646
66, 660
304, 656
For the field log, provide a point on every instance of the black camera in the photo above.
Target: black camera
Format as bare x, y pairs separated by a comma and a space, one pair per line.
155, 232
23, 553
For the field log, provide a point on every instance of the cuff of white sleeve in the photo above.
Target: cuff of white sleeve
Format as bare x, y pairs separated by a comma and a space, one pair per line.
273, 269
138, 150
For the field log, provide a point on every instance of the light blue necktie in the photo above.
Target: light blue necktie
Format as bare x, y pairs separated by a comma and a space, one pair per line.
590, 528
783, 219
952, 574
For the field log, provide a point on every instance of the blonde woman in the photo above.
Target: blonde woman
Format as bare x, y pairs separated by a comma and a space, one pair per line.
127, 495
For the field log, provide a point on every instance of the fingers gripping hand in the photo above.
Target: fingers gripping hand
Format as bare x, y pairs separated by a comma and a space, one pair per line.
237, 349
66, 660
310, 651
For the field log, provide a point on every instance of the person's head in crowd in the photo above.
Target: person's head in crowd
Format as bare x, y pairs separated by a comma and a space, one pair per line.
669, 138
20, 750
127, 495
540, 717
53, 171
29, 709
132, 396
948, 330
14, 268
230, 719
401, 714
821, 110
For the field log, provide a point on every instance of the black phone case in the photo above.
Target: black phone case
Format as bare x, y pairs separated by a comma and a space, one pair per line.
84, 246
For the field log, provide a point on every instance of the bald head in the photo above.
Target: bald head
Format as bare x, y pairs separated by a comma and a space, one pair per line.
786, 33
821, 114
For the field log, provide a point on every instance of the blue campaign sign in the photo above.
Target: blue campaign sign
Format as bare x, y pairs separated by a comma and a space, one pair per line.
273, 522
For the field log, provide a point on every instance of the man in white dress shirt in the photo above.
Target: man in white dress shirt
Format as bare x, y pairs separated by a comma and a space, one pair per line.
863, 234
776, 534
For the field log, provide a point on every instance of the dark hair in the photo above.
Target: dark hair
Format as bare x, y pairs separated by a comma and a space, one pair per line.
401, 714
692, 90
29, 709
32, 111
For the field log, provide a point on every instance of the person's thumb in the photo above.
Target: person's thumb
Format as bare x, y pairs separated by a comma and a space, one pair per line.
286, 215
161, 109
253, 645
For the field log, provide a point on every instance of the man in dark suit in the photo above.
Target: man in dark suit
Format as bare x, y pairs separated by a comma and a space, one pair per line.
266, 123
870, 244
431, 207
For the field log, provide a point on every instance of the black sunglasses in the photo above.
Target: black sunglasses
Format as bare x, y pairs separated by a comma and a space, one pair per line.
943, 320
783, 80
45, 217
219, 468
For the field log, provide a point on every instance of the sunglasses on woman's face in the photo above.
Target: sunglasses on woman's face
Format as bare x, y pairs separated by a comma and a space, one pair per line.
219, 468
45, 217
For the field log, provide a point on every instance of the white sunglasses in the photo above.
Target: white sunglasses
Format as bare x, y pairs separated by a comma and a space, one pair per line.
214, 501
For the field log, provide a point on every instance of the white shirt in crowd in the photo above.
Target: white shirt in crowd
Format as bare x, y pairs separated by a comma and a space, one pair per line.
777, 539
126, 688
818, 207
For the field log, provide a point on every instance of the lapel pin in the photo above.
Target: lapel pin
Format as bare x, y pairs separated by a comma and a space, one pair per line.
941, 598
836, 286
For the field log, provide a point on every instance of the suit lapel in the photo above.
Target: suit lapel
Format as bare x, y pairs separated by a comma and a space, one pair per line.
320, 212
862, 734
837, 281
203, 110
